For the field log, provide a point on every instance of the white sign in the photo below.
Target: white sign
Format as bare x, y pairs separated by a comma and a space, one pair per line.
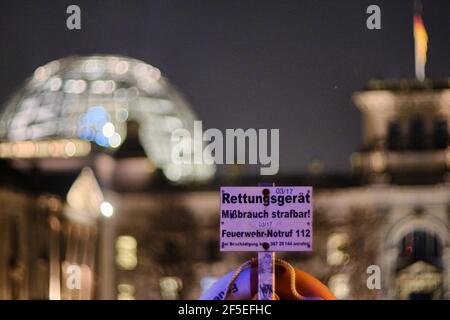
266, 219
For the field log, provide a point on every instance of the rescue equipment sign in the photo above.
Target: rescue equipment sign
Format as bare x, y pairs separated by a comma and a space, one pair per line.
266, 219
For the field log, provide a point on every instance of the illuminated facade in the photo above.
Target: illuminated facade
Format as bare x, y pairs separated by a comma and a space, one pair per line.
392, 215
87, 182
399, 218
78, 130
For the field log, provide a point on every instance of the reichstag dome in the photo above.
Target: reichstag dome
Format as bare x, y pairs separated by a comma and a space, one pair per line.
73, 105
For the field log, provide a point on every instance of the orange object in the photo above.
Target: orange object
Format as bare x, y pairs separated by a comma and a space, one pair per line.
306, 285
290, 284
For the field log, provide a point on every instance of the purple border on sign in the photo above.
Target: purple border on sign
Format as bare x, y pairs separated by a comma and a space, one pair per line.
279, 220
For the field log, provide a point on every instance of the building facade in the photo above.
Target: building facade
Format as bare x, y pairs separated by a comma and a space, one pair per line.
87, 189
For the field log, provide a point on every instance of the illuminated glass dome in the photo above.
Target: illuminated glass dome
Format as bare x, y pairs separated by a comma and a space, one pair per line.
91, 98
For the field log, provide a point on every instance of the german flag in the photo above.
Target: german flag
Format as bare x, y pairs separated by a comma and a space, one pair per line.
421, 42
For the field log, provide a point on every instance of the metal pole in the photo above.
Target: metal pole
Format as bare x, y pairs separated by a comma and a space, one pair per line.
266, 267
266, 275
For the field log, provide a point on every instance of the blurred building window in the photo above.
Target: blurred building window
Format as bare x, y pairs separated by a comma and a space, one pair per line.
126, 252
440, 134
417, 134
419, 266
394, 138
337, 245
420, 245
125, 291
339, 285
170, 288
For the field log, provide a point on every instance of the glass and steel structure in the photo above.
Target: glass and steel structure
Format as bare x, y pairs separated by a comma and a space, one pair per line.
75, 102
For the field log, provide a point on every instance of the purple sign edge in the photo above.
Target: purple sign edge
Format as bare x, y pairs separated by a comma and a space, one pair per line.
260, 249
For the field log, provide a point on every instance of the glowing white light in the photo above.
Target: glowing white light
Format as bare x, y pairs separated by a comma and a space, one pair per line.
155, 73
70, 149
140, 70
125, 291
121, 67
68, 86
79, 86
337, 245
41, 73
121, 94
133, 93
173, 123
126, 257
92, 65
339, 284
71, 86
110, 86
55, 83
53, 66
115, 140
108, 129
98, 86
173, 172
170, 287
106, 209
44, 149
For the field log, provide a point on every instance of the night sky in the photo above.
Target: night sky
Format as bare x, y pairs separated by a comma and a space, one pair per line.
291, 65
